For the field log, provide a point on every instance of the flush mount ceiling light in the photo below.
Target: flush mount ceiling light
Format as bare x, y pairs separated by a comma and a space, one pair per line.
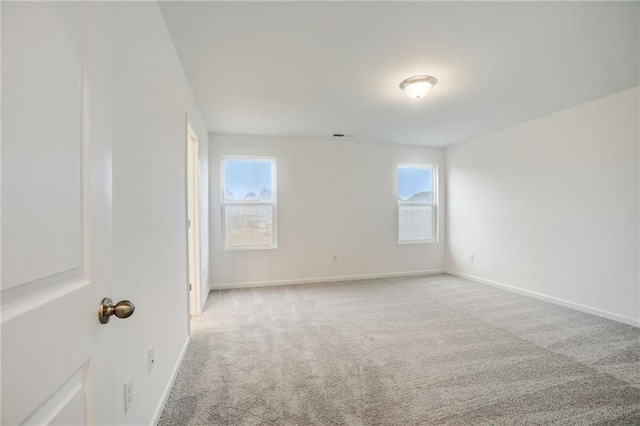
418, 86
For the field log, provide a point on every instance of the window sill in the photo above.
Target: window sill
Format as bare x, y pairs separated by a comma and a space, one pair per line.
249, 248
417, 242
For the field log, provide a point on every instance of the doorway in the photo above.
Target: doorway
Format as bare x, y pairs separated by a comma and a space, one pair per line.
193, 221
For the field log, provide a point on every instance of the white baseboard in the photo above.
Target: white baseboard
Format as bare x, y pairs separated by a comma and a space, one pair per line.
167, 389
567, 304
323, 279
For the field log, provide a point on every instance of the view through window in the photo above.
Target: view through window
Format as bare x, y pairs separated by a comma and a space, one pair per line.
249, 202
416, 203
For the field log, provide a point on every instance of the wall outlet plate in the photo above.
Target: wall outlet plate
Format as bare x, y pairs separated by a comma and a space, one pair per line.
151, 353
128, 393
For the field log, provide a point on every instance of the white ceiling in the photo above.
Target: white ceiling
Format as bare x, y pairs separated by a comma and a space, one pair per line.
306, 69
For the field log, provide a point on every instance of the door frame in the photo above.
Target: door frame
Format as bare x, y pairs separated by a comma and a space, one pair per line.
194, 247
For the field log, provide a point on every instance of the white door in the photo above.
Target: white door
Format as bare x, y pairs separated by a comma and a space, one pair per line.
193, 224
57, 359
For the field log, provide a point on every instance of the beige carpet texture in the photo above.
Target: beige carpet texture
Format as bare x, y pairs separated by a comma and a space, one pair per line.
429, 350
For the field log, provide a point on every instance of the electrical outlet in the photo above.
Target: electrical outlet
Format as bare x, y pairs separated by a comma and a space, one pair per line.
128, 393
334, 258
470, 258
152, 356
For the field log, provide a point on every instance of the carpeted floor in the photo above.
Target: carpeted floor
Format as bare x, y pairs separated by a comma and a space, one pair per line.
404, 351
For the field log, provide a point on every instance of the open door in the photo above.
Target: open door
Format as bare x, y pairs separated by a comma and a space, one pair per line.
57, 359
193, 223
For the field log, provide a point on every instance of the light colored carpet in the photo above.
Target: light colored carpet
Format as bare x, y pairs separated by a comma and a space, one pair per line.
404, 351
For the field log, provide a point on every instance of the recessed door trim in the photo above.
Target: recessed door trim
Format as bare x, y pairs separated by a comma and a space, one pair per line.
194, 246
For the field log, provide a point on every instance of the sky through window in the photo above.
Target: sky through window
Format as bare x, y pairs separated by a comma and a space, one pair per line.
246, 179
413, 180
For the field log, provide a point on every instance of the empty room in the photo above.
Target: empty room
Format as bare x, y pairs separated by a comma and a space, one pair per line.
320, 213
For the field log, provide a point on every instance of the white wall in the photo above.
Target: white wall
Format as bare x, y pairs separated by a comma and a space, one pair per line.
151, 100
551, 206
334, 197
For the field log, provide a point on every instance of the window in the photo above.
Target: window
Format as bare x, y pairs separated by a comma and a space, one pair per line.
249, 202
417, 203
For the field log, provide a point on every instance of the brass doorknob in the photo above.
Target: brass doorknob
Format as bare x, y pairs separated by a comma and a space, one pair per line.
122, 309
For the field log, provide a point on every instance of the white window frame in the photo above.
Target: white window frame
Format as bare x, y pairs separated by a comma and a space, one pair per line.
434, 205
273, 203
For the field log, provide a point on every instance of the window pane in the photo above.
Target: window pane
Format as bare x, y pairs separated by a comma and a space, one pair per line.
248, 225
414, 185
248, 179
415, 222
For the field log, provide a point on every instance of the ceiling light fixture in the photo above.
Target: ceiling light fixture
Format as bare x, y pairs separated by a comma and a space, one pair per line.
418, 86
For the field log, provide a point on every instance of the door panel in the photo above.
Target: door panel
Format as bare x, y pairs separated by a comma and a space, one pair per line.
41, 81
56, 215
